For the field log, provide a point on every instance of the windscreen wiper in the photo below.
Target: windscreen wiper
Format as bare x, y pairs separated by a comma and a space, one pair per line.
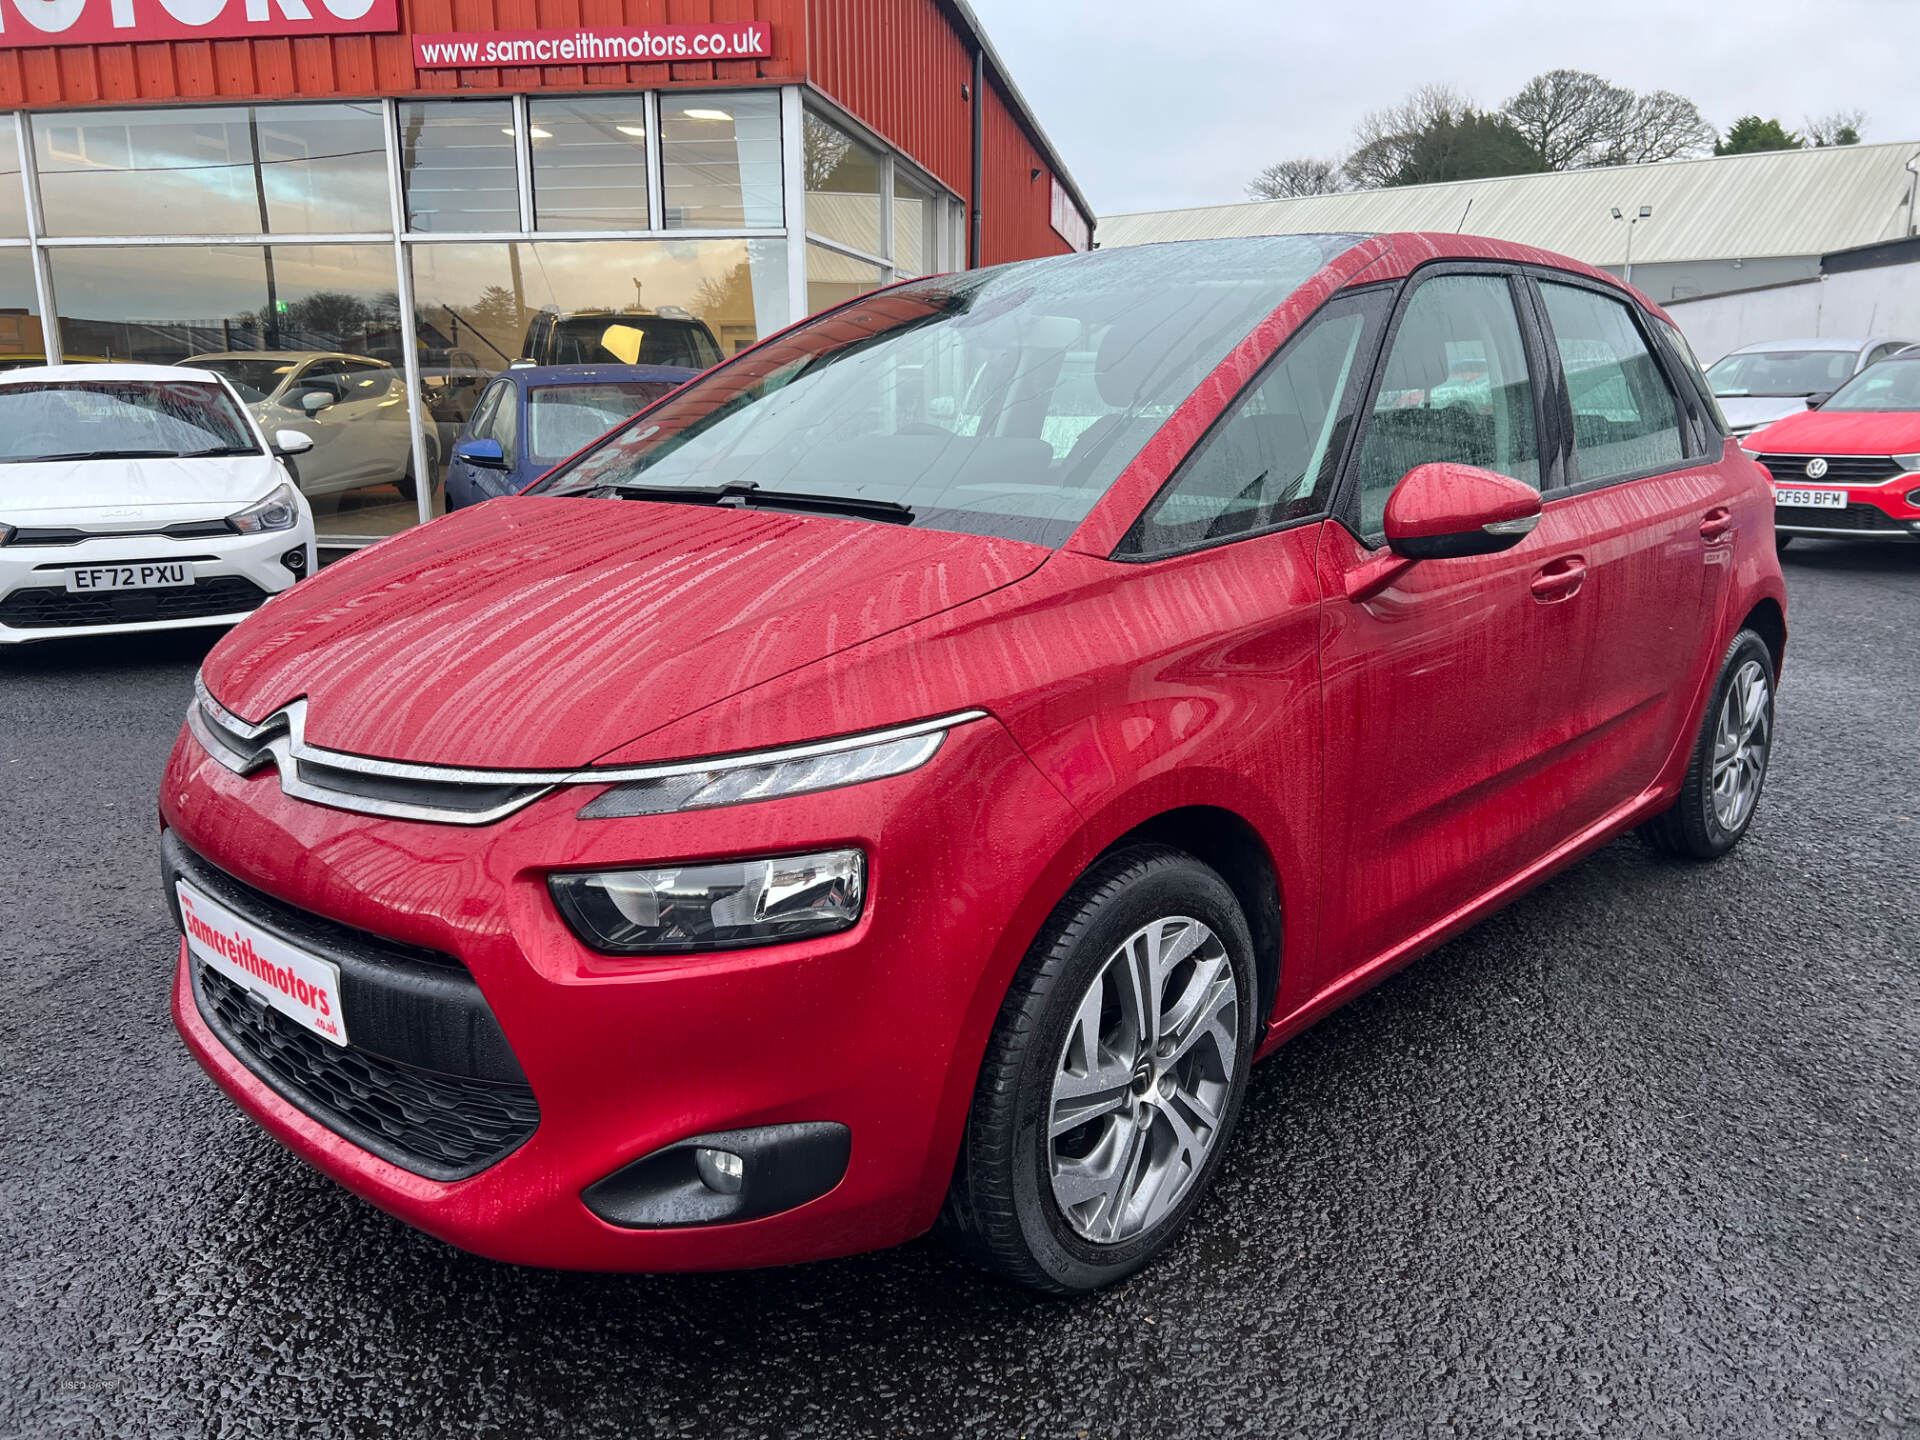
218, 450
748, 494
96, 455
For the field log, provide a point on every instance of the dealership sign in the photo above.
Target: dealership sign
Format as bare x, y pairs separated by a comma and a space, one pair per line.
122, 22
592, 45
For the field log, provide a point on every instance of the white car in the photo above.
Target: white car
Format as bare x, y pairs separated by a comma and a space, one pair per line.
354, 409
140, 497
1759, 384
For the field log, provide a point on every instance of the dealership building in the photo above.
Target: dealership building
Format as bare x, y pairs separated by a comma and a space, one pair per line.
425, 189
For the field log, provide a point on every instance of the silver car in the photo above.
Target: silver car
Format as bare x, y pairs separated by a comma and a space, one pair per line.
353, 408
1759, 384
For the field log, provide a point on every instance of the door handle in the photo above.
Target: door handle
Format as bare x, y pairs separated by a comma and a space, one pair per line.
1717, 523
1559, 579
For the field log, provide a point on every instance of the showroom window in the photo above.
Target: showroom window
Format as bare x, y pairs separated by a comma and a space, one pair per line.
843, 188
720, 154
646, 228
589, 163
459, 160
235, 170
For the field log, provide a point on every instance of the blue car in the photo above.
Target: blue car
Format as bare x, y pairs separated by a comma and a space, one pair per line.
531, 417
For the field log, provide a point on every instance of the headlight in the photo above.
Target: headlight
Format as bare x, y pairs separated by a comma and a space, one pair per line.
678, 910
6, 532
1907, 462
851, 760
279, 511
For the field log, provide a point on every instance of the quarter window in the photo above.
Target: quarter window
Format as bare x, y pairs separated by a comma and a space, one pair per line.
1626, 419
1273, 458
1456, 388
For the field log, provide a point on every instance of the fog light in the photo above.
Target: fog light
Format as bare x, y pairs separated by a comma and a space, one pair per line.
1913, 498
296, 560
721, 1171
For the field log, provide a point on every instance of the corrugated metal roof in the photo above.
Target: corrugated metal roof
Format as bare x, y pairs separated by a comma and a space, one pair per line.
1784, 202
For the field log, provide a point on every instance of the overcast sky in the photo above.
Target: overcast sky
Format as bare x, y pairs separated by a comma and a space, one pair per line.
1159, 103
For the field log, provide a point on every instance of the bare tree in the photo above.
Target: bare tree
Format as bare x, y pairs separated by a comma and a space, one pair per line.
1660, 126
1572, 118
1842, 127
1292, 179
1385, 139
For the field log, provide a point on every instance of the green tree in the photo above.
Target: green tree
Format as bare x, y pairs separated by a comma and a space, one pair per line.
1749, 135
1842, 127
1471, 146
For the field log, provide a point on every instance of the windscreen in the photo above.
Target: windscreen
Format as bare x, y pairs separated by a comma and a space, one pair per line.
1890, 385
254, 379
564, 419
119, 419
997, 402
1780, 372
631, 340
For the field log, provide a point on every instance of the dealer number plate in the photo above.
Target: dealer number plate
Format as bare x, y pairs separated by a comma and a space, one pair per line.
303, 987
130, 577
1812, 499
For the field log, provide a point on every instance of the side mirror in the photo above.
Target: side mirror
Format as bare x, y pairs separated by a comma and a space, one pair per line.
291, 442
1444, 511
314, 401
1818, 398
484, 453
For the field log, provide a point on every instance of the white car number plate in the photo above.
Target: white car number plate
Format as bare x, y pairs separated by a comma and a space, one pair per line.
130, 577
303, 987
1812, 499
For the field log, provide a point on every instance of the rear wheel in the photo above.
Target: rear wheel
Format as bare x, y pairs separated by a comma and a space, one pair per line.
1113, 1078
1729, 765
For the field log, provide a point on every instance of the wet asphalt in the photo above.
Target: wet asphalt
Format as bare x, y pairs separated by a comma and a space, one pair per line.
1639, 1156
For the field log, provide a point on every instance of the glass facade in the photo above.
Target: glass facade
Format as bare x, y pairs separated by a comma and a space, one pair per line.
360, 271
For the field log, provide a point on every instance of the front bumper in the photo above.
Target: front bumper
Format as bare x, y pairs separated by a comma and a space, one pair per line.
878, 1030
233, 576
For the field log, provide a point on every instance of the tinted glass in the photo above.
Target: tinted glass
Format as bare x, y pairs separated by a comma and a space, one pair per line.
457, 160
87, 419
1781, 372
589, 163
562, 419
234, 170
13, 195
21, 342
1625, 416
833, 277
1455, 388
915, 232
1273, 459
721, 156
1682, 350
843, 187
966, 399
1891, 385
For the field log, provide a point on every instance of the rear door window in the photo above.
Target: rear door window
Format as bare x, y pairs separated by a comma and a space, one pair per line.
1626, 418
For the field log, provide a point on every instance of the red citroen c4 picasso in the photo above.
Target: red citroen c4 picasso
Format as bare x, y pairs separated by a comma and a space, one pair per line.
906, 777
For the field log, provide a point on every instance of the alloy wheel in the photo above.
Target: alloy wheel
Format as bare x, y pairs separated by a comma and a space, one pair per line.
1143, 1079
1742, 737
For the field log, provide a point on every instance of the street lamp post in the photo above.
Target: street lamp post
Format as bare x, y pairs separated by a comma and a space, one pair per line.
1646, 213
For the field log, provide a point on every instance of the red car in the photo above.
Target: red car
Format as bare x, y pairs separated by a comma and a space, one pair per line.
906, 777
1849, 470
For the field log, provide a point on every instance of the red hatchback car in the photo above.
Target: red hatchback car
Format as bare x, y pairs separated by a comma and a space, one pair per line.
1849, 470
907, 776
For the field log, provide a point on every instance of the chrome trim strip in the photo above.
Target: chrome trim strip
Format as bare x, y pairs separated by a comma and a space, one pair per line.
282, 735
1910, 533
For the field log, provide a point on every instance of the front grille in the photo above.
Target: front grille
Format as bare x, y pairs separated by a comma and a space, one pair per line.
183, 530
51, 609
1854, 517
445, 1127
1841, 469
427, 1080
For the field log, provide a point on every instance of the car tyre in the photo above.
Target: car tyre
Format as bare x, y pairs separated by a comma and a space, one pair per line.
1071, 1026
1728, 768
